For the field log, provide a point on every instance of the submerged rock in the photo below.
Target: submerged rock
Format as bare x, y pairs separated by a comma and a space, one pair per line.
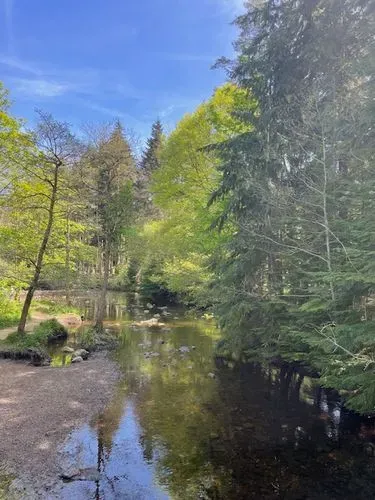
88, 474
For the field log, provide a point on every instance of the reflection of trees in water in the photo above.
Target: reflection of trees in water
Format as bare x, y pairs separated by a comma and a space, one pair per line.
253, 433
250, 433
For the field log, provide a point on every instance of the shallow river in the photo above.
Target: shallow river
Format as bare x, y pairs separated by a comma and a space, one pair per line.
183, 425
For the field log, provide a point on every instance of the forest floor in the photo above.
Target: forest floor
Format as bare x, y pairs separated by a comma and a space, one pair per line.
39, 407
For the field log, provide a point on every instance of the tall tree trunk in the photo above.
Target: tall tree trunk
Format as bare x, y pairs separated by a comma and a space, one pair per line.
103, 293
67, 261
42, 250
326, 221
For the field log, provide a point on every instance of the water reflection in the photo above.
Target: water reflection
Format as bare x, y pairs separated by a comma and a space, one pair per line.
174, 431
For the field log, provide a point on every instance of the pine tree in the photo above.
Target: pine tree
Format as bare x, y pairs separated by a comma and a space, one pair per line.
298, 185
150, 161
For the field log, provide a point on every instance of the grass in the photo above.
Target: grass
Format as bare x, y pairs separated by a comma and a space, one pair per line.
10, 312
45, 333
92, 340
33, 346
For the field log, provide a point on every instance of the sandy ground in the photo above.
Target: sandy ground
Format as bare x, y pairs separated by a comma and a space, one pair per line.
39, 407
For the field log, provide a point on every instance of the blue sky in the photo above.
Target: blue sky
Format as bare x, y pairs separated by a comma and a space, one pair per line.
94, 60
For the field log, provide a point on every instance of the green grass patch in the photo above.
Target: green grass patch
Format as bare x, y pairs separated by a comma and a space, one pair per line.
47, 332
10, 312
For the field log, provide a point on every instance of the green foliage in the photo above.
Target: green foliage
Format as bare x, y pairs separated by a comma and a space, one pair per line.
10, 311
181, 247
298, 188
46, 332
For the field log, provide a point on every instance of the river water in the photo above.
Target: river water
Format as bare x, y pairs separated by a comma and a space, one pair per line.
184, 425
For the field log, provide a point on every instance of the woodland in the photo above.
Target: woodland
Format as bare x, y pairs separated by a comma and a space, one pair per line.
257, 208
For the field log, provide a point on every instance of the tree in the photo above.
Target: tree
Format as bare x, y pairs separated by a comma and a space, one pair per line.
293, 182
150, 161
56, 151
108, 172
180, 246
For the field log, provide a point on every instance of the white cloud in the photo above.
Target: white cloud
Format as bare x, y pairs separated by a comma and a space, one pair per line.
18, 64
39, 88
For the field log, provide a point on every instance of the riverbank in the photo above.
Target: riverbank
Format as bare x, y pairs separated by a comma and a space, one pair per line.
40, 407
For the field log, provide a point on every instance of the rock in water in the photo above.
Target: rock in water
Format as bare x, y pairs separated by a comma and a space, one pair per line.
89, 474
67, 349
77, 359
150, 323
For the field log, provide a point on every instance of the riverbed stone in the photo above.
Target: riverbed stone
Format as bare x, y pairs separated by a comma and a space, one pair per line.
77, 359
81, 353
68, 349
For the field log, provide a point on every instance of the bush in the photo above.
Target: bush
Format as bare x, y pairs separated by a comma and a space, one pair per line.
47, 332
10, 311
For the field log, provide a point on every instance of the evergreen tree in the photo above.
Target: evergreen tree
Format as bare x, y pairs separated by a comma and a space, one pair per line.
150, 161
299, 181
108, 171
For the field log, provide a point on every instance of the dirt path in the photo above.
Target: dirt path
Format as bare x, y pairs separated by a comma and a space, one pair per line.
39, 407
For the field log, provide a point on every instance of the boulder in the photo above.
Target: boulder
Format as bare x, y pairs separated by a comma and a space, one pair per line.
81, 353
157, 316
150, 323
149, 305
212, 375
77, 359
67, 349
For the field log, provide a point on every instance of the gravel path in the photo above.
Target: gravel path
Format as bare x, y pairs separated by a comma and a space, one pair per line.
39, 407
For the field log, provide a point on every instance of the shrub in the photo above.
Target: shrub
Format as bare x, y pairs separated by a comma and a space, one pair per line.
10, 311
